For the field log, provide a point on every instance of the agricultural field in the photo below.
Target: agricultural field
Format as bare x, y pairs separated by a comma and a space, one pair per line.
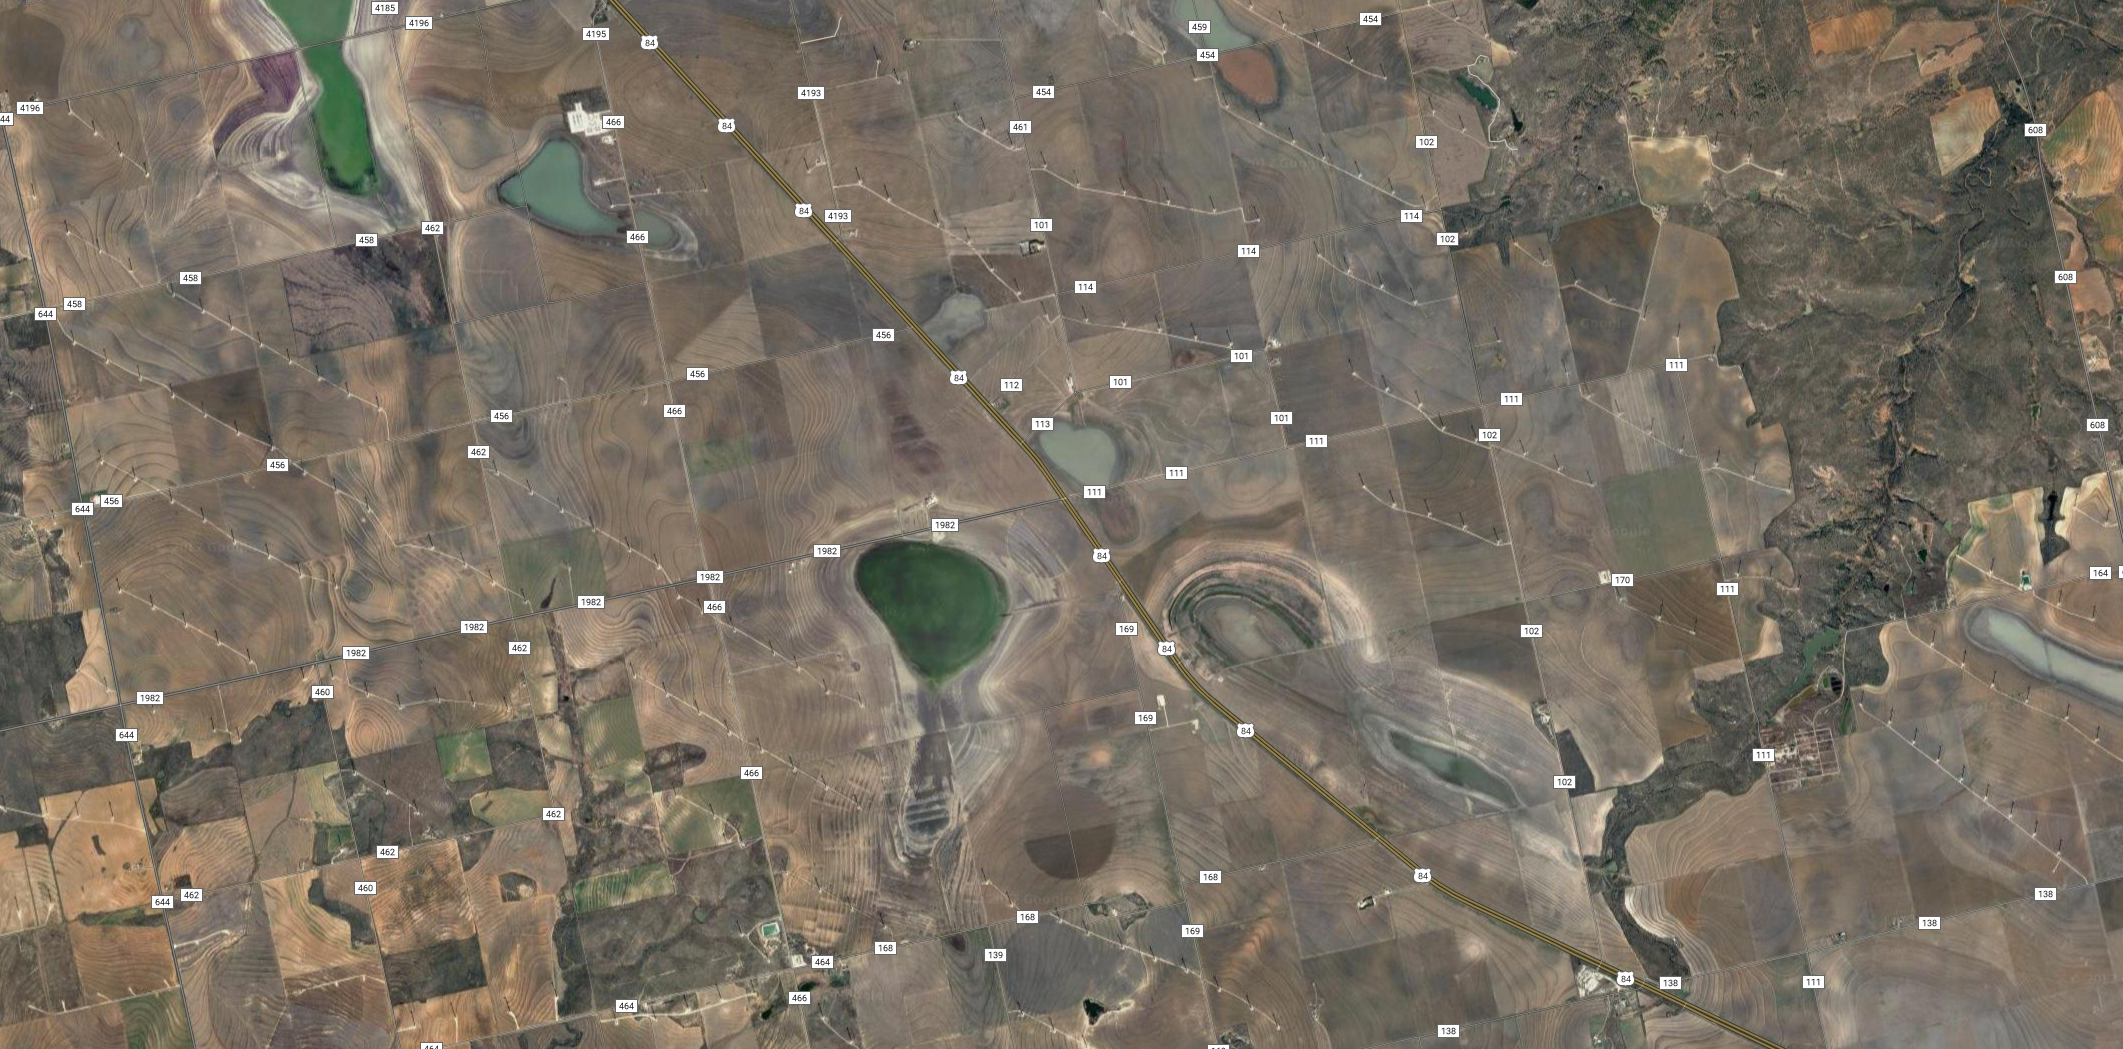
1075, 524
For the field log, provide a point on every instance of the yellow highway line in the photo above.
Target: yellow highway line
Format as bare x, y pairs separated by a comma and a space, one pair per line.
1136, 602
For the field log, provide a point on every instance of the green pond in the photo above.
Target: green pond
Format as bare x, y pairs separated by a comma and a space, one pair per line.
942, 606
1086, 453
342, 114
1222, 34
1456, 769
552, 186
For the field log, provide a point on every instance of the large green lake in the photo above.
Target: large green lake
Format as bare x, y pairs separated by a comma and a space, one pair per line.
942, 605
342, 114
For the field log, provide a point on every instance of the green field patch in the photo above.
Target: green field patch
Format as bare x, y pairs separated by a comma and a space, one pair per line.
631, 777
464, 755
1660, 519
506, 805
610, 735
942, 605
619, 888
706, 458
156, 1021
704, 815
328, 841
551, 571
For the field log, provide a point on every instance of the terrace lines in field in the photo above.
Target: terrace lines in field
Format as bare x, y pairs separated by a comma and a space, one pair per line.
1128, 590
